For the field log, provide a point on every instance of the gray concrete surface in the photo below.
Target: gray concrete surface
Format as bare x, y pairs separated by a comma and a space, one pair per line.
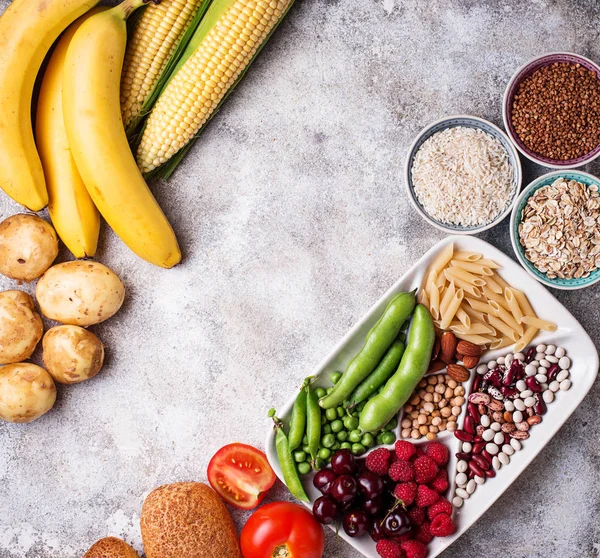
293, 221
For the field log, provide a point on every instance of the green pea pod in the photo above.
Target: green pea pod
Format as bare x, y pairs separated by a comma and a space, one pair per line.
288, 466
378, 341
383, 407
313, 422
381, 374
298, 419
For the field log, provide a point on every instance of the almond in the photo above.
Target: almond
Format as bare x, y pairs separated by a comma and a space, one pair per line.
468, 349
436, 365
448, 346
470, 361
436, 349
458, 373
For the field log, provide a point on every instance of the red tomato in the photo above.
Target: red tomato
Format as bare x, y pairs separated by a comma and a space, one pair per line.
282, 530
241, 475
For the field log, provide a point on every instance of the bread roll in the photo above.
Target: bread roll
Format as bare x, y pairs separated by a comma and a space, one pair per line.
111, 547
187, 519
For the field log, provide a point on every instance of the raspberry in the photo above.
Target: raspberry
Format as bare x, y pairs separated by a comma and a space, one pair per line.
441, 506
402, 471
416, 515
438, 452
426, 496
404, 450
442, 525
407, 492
425, 469
418, 453
414, 549
377, 461
388, 549
423, 534
406, 537
440, 482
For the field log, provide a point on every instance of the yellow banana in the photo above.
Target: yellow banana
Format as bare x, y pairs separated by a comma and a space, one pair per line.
71, 208
91, 105
27, 30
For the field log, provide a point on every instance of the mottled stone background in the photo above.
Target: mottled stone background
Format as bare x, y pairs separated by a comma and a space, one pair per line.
293, 220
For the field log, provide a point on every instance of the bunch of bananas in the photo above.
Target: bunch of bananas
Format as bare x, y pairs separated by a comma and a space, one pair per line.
84, 164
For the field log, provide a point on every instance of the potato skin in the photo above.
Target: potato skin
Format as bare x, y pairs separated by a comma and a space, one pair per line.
26, 392
111, 547
72, 354
80, 293
21, 327
28, 246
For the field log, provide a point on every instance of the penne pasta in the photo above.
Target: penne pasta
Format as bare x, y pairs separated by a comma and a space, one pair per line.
466, 256
525, 339
473, 314
476, 339
502, 342
539, 323
453, 307
502, 313
501, 282
465, 276
480, 306
493, 285
463, 317
513, 305
475, 268
448, 296
467, 287
475, 329
523, 303
491, 295
440, 280
423, 298
504, 328
442, 259
434, 296
489, 263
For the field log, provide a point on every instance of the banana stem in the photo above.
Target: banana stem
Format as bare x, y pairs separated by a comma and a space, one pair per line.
127, 7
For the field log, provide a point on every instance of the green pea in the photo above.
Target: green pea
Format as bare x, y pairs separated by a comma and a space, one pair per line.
306, 449
337, 426
328, 440
324, 453
335, 377
355, 436
304, 468
342, 436
320, 392
388, 438
320, 464
351, 423
358, 449
379, 439
391, 425
341, 412
361, 406
367, 440
305, 441
330, 414
327, 429
335, 446
346, 445
328, 460
329, 390
299, 456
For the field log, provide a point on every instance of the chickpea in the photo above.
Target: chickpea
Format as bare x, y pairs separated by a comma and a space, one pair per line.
429, 389
442, 426
455, 412
415, 435
406, 433
446, 412
428, 407
451, 383
458, 401
428, 397
435, 413
451, 427
423, 383
433, 429
436, 421
432, 380
415, 399
437, 397
422, 419
422, 392
423, 430
415, 423
443, 403
408, 408
459, 390
449, 393
430, 436
414, 414
405, 423
440, 388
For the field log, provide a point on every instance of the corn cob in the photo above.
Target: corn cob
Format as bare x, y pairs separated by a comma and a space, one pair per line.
226, 42
154, 42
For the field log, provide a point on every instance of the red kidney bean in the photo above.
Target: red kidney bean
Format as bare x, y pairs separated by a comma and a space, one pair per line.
463, 455
509, 376
540, 405
533, 384
519, 370
530, 355
552, 372
474, 412
469, 424
490, 473
476, 469
478, 447
509, 392
476, 382
463, 436
486, 454
494, 378
478, 438
481, 461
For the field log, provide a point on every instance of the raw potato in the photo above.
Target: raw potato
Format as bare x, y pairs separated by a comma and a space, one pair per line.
72, 354
111, 547
187, 519
21, 327
28, 246
80, 293
26, 392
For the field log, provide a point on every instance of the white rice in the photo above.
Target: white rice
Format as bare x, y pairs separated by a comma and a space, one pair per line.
463, 176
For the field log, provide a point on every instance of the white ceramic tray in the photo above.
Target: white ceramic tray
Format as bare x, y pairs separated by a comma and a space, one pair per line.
570, 335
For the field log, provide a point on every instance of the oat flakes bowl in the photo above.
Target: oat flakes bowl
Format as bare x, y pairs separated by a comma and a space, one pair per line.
560, 241
433, 193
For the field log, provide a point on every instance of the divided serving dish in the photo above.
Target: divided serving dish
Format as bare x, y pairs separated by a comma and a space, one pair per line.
570, 334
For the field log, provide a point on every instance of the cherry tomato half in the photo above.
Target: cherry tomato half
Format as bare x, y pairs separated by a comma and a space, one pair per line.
241, 475
282, 530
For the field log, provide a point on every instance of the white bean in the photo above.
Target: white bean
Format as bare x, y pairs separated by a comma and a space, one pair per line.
496, 463
565, 385
521, 385
554, 386
552, 359
500, 360
562, 375
519, 356
560, 352
462, 466
518, 416
496, 426
461, 479
536, 363
499, 438
541, 348
544, 386
564, 363
519, 405
467, 447
504, 459
529, 402
488, 435
509, 405
482, 369
508, 449
492, 448
457, 501
492, 364
545, 363
548, 396
530, 370
462, 493
526, 393
550, 349
479, 480
471, 486
541, 378
515, 444
508, 360
540, 356
485, 421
